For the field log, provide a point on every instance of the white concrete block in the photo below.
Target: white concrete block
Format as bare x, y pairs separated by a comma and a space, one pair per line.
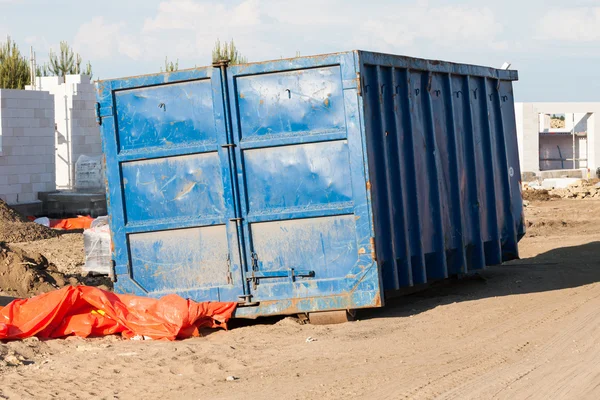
19, 150
38, 168
39, 150
10, 169
10, 198
39, 187
24, 178
13, 179
7, 132
26, 197
92, 139
46, 122
26, 188
13, 189
9, 103
50, 81
28, 103
47, 177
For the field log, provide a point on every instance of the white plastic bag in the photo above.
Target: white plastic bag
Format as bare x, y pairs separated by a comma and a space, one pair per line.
96, 242
42, 221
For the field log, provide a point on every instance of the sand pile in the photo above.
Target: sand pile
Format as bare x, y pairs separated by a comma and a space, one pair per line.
25, 274
15, 228
538, 195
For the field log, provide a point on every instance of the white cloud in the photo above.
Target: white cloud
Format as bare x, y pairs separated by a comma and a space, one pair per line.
570, 24
267, 29
98, 39
445, 25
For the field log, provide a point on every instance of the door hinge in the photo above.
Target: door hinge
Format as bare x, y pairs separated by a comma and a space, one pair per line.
373, 250
102, 112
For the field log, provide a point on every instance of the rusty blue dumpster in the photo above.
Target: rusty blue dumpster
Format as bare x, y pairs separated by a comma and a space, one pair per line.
309, 184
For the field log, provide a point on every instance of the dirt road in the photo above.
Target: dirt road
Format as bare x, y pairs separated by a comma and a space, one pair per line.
526, 330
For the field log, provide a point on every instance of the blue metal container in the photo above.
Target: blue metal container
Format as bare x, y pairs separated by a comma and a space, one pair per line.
309, 184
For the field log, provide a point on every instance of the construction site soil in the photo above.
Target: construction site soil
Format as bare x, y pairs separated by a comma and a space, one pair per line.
528, 329
16, 228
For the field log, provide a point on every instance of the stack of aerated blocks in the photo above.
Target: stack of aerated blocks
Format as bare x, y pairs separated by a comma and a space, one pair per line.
27, 145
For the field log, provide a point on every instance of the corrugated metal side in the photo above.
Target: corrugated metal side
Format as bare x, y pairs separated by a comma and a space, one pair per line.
444, 168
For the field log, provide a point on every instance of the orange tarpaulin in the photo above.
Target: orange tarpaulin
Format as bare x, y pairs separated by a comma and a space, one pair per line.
81, 222
88, 311
68, 224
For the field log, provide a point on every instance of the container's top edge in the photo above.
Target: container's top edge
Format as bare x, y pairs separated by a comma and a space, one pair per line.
368, 57
422, 64
166, 75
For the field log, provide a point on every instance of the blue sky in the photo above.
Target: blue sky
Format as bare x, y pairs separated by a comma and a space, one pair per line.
554, 44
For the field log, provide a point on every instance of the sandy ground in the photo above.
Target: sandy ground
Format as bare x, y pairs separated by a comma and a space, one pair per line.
65, 251
526, 330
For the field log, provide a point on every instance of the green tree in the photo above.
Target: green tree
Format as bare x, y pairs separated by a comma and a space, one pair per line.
14, 68
42, 70
170, 66
227, 51
66, 63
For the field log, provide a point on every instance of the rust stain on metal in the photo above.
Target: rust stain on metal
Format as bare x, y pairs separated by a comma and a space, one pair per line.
242, 95
326, 102
362, 251
373, 252
261, 102
368, 185
377, 300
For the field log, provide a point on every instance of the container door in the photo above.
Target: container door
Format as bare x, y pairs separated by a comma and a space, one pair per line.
302, 178
170, 190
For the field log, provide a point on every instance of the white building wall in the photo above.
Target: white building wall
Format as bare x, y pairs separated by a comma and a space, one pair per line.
27, 162
77, 132
530, 124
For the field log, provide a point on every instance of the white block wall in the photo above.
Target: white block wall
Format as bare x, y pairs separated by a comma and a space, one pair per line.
587, 117
77, 132
27, 160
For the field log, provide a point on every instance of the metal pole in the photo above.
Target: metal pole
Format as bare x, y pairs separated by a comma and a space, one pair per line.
31, 68
34, 71
573, 135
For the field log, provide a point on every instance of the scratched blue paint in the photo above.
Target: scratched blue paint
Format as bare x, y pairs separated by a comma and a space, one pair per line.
289, 102
310, 184
169, 115
181, 259
326, 246
173, 187
297, 176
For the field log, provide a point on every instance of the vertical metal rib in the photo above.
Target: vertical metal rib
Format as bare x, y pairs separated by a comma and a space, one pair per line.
386, 187
460, 261
493, 254
419, 273
477, 256
440, 269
